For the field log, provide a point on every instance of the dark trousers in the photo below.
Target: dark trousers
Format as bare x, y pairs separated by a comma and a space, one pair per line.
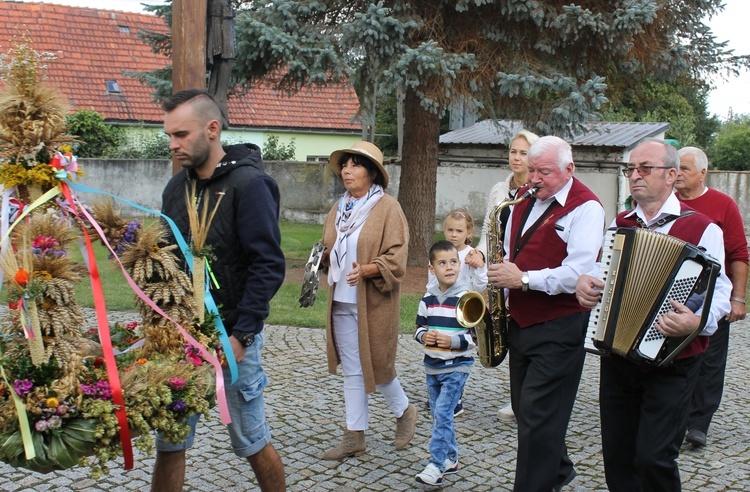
546, 361
644, 414
710, 384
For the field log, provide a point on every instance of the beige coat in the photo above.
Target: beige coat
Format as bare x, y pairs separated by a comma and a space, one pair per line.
384, 241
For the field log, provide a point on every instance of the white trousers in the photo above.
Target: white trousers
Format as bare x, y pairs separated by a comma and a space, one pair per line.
346, 337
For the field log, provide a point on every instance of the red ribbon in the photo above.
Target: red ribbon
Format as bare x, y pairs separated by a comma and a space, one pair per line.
105, 339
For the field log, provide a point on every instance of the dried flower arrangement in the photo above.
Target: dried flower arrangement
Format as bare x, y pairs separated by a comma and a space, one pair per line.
68, 394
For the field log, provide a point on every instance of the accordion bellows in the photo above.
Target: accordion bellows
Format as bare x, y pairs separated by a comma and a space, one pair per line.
642, 271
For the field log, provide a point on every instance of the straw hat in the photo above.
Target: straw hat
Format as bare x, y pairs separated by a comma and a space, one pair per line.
365, 149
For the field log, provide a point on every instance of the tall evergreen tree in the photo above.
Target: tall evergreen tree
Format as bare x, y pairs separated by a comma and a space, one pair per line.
552, 63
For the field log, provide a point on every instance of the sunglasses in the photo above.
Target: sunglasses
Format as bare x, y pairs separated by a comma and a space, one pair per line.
642, 170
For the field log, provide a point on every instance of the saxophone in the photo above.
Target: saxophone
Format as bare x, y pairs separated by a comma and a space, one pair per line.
492, 332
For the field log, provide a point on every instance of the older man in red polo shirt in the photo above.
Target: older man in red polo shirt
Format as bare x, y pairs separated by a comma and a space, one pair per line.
692, 191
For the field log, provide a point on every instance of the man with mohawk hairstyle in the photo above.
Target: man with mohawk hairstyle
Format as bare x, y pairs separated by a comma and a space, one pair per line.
245, 244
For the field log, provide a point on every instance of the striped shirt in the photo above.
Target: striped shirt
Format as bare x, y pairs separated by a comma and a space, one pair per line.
437, 311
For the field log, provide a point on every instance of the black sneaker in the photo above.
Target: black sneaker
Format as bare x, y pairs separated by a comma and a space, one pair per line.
459, 409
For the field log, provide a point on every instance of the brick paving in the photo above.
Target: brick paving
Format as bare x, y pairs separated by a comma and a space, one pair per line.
305, 410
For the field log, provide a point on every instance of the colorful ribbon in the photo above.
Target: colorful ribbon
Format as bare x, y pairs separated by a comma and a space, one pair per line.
105, 339
185, 250
220, 393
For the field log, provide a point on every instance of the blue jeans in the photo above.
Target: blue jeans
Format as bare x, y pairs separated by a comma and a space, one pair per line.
444, 391
248, 431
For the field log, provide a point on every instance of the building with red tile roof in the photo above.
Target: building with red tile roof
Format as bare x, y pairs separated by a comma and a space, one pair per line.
94, 48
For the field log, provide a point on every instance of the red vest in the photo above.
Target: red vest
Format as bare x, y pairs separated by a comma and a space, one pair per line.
690, 229
542, 249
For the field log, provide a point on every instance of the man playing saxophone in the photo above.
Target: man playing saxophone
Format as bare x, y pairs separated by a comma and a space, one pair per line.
551, 239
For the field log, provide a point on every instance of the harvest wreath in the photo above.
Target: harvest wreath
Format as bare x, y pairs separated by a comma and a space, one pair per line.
71, 395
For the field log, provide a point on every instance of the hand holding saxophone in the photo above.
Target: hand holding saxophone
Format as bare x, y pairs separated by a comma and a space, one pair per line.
504, 275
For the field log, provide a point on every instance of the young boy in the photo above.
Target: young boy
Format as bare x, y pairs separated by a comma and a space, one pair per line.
448, 357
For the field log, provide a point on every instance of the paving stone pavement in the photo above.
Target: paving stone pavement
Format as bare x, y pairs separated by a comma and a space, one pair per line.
305, 411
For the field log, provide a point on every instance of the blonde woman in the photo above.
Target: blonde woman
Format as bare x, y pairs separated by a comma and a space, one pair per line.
505, 190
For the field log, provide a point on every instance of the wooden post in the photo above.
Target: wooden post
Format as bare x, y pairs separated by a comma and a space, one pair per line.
188, 47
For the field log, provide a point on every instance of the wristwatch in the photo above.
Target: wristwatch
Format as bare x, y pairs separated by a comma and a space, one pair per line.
525, 281
245, 337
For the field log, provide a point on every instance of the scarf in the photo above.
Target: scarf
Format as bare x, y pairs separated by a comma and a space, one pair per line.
351, 213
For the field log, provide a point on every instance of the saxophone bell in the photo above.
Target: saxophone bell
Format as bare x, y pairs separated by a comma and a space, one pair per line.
470, 309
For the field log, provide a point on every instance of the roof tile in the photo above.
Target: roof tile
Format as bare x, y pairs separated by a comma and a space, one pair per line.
91, 49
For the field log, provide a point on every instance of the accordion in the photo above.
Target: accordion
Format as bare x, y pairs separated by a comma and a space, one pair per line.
642, 271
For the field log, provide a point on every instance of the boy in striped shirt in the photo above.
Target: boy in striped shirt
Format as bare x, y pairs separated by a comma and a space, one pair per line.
448, 357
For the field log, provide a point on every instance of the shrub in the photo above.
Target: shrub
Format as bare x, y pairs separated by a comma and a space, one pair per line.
275, 151
96, 137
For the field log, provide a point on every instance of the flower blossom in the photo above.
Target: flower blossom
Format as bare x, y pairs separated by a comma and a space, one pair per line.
22, 386
192, 355
177, 383
177, 406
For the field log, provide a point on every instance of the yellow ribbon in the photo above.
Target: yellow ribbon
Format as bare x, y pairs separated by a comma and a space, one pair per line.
23, 420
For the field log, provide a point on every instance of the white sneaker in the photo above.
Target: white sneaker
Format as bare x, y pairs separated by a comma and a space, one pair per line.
506, 413
451, 467
430, 475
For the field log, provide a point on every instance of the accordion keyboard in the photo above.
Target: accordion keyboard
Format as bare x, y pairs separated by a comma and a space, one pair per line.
683, 284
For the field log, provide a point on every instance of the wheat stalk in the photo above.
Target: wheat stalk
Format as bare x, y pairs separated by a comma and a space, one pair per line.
200, 224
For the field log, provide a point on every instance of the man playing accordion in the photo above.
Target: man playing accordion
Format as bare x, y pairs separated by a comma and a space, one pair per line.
644, 410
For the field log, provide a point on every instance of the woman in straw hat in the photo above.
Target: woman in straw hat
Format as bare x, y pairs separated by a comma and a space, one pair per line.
366, 239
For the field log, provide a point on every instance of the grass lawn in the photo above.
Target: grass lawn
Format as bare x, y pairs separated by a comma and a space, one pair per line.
296, 241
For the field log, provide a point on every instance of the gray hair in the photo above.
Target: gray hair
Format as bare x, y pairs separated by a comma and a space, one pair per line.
700, 159
670, 152
551, 143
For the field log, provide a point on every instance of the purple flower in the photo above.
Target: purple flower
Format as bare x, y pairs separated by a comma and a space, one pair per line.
22, 386
105, 392
129, 236
88, 389
100, 390
177, 406
41, 425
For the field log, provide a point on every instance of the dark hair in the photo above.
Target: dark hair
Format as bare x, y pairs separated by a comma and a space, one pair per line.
440, 246
210, 109
179, 98
363, 161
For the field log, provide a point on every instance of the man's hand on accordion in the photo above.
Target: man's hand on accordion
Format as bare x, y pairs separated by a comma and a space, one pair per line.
678, 323
589, 291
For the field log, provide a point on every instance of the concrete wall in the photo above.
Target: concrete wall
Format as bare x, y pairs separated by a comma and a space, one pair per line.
309, 189
737, 185
468, 185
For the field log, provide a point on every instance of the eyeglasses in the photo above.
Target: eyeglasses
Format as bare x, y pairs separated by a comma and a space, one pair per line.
642, 170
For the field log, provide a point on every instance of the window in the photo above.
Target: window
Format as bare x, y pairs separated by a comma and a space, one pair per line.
113, 87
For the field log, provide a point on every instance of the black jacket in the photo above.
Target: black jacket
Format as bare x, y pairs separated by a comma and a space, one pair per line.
244, 236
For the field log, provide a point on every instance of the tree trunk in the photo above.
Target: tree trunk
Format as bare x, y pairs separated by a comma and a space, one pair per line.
418, 186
